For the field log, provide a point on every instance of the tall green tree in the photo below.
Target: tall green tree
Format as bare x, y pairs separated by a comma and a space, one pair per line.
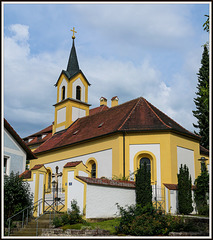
184, 190
17, 195
202, 100
143, 187
201, 192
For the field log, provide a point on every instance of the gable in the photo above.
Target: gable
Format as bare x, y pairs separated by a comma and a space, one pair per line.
9, 142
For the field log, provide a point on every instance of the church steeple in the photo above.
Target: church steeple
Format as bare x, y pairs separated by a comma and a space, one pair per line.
72, 66
72, 93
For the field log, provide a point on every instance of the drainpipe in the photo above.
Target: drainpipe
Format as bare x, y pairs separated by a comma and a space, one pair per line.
124, 154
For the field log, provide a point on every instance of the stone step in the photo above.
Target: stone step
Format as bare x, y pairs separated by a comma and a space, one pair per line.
30, 228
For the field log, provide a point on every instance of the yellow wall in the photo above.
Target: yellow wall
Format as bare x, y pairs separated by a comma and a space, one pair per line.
69, 103
168, 152
113, 142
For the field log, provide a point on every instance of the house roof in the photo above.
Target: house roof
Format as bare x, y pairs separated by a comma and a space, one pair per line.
35, 137
38, 166
26, 174
135, 115
98, 109
204, 151
30, 154
72, 164
174, 186
107, 182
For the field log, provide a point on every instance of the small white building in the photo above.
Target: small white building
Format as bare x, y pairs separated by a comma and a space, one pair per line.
16, 152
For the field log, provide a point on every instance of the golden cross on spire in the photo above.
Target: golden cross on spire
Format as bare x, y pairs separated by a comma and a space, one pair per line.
73, 30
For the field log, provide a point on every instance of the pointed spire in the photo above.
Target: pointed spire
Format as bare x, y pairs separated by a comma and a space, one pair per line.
72, 66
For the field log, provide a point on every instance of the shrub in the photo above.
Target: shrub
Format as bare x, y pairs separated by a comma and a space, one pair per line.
57, 222
143, 187
17, 196
184, 190
73, 216
201, 191
147, 221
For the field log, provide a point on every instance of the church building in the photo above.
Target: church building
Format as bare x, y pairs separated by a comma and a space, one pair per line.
91, 154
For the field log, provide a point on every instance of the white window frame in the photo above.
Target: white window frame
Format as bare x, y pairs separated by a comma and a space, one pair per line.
7, 172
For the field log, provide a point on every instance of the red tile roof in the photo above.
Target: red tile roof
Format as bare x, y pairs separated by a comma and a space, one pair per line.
37, 166
204, 151
174, 186
107, 182
26, 174
36, 140
135, 115
30, 154
98, 109
72, 164
114, 97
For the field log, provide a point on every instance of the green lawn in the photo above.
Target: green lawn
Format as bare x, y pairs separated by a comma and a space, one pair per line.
106, 225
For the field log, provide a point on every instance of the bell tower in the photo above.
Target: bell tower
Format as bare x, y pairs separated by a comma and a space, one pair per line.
72, 93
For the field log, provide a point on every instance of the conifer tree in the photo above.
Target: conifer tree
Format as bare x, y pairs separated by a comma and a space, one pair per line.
202, 191
143, 187
202, 100
184, 190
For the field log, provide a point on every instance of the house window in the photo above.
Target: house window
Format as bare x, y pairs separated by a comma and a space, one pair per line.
93, 171
63, 93
5, 164
49, 180
147, 161
78, 92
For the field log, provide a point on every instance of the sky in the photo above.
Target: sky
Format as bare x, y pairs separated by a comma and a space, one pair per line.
125, 49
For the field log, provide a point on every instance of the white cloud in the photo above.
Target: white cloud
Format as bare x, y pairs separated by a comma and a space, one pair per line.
21, 32
29, 80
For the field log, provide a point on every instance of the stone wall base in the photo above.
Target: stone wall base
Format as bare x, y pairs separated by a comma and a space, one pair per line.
74, 232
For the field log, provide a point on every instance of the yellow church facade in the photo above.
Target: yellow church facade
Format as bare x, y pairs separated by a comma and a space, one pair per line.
97, 151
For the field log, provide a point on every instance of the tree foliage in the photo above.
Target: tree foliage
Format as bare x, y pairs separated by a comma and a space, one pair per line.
17, 195
184, 190
206, 24
202, 100
143, 188
201, 191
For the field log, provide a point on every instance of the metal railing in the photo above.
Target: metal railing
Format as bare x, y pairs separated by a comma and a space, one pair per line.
51, 208
26, 213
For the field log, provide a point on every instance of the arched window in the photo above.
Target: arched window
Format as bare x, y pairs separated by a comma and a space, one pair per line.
63, 93
78, 92
93, 171
147, 161
49, 179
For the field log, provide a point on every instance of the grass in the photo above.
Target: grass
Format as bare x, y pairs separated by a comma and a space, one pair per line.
106, 225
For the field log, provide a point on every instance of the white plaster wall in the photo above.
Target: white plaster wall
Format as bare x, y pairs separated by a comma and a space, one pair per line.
173, 201
76, 83
32, 186
60, 128
77, 113
186, 156
167, 199
40, 192
64, 83
11, 150
154, 149
103, 158
101, 200
75, 191
83, 174
61, 115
